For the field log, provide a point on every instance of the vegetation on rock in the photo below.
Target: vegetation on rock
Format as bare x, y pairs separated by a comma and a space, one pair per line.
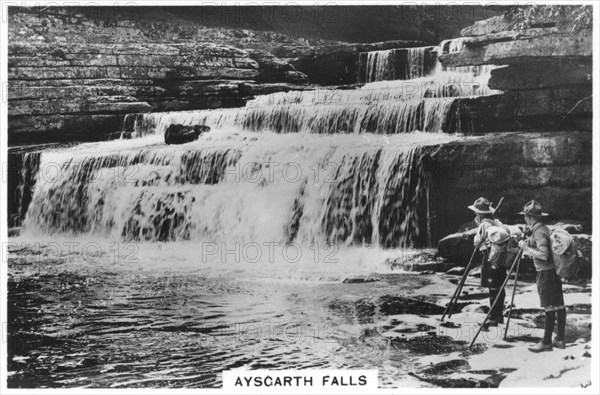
576, 19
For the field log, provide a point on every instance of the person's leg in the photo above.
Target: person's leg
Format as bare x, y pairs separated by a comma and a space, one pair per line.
550, 317
561, 323
549, 326
500, 306
493, 311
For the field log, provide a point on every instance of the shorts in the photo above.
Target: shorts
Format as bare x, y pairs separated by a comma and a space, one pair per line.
492, 277
549, 288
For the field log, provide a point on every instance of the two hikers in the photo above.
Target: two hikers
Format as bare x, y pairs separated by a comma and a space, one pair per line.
537, 245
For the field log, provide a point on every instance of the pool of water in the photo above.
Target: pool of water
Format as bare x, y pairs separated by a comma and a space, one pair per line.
171, 321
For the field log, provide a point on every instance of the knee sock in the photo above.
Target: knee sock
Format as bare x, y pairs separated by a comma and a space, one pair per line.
500, 304
497, 312
549, 326
493, 293
561, 323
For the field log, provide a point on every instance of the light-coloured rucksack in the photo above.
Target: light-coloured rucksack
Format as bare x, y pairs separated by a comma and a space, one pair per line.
565, 253
503, 245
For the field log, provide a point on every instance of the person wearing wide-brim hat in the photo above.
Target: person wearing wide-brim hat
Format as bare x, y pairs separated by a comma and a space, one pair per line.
548, 283
492, 277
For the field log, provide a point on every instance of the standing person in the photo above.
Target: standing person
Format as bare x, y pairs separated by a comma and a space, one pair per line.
548, 283
492, 277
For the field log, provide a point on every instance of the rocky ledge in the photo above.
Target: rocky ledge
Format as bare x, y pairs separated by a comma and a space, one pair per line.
547, 76
80, 90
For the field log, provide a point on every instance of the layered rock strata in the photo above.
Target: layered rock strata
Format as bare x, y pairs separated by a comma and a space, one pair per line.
547, 77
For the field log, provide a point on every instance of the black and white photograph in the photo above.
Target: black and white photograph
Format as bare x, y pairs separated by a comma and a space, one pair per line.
299, 197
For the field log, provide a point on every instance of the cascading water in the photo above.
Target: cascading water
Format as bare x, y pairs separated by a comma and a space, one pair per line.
343, 190
376, 191
415, 66
395, 64
386, 107
379, 66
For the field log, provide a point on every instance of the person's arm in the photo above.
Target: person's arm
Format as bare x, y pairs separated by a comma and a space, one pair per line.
480, 236
542, 249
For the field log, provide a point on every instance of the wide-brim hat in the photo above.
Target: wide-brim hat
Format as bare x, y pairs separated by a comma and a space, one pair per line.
482, 206
533, 209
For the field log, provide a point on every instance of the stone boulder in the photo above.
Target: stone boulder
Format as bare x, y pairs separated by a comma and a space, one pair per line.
181, 134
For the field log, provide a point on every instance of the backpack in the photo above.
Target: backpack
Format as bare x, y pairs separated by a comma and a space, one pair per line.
565, 253
503, 247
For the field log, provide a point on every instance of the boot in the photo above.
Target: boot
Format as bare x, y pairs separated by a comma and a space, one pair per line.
541, 347
559, 344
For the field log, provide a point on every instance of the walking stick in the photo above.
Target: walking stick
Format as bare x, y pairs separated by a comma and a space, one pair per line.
459, 287
456, 295
517, 259
512, 299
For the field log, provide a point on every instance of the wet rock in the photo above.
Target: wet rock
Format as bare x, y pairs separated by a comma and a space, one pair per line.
413, 328
427, 345
446, 367
181, 134
457, 247
540, 75
462, 382
456, 271
14, 232
450, 324
475, 308
393, 305
360, 280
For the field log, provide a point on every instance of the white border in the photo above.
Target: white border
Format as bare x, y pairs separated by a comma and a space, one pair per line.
593, 389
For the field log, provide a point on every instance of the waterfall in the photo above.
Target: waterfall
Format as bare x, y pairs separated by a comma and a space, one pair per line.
416, 62
379, 66
335, 189
452, 45
397, 64
379, 117
328, 165
27, 164
385, 107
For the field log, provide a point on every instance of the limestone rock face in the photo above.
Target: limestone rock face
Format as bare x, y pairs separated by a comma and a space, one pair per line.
487, 26
80, 90
547, 77
553, 168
